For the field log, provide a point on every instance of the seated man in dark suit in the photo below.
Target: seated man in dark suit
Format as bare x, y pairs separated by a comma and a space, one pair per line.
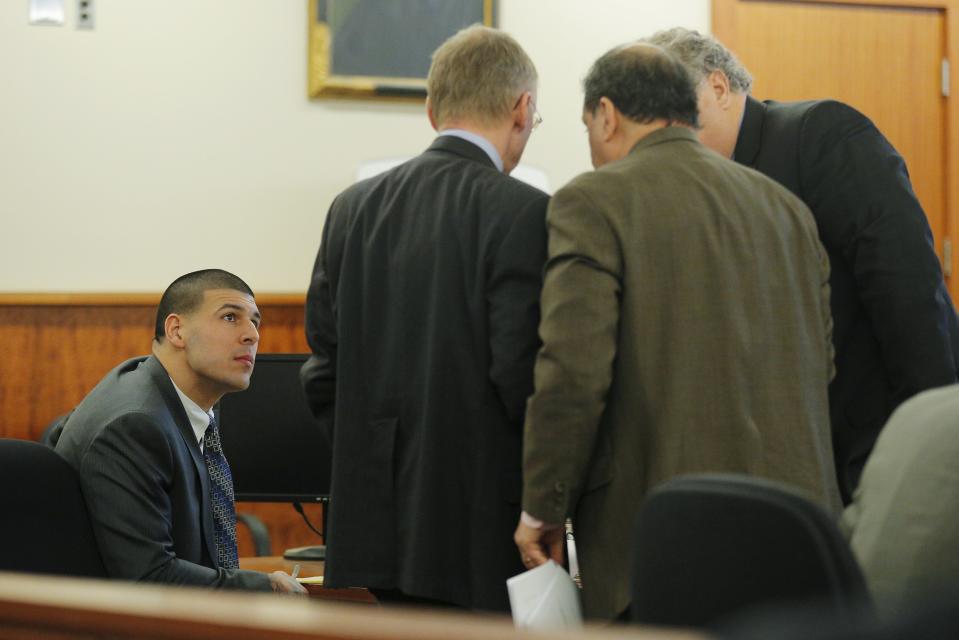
896, 331
422, 317
148, 452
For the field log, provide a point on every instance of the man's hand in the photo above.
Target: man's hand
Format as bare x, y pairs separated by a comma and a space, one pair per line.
285, 583
536, 546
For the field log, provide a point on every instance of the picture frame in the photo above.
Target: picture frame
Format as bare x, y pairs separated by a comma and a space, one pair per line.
381, 49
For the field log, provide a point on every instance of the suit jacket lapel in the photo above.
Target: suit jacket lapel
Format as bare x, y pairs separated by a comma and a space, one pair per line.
750, 132
172, 400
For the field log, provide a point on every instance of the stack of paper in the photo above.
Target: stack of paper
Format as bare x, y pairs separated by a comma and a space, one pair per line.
545, 598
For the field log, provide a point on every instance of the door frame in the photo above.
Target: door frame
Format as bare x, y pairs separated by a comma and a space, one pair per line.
723, 20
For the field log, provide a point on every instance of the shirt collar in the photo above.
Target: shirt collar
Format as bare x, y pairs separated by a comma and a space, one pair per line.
750, 132
479, 141
199, 419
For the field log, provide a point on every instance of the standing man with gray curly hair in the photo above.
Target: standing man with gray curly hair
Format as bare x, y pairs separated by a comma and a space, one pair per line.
422, 317
896, 331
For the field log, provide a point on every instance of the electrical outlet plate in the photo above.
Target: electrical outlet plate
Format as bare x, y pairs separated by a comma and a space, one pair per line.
85, 9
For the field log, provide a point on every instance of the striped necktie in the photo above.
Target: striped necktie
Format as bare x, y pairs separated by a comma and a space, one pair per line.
221, 495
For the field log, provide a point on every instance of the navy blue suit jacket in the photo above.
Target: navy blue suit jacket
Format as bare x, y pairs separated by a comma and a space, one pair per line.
895, 329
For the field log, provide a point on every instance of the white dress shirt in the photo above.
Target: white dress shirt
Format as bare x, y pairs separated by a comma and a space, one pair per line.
479, 141
199, 419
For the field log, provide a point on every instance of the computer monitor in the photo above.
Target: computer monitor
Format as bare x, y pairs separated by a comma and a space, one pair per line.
277, 450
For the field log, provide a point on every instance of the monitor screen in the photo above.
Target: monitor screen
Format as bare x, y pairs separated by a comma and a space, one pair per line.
277, 450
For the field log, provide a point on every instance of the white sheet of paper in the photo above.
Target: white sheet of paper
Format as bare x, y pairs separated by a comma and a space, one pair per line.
545, 598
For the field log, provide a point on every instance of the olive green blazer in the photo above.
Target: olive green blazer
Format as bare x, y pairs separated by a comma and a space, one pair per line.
686, 328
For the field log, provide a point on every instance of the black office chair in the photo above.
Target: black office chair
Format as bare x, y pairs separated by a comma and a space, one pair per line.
259, 534
51, 433
712, 546
45, 528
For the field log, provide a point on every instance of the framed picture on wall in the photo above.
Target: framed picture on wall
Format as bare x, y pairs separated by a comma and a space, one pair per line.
382, 48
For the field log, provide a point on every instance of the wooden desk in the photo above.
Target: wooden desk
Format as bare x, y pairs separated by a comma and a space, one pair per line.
307, 570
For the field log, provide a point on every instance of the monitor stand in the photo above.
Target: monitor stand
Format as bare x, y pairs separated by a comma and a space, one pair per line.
308, 554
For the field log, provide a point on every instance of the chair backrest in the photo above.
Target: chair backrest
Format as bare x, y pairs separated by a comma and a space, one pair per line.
51, 433
46, 528
711, 546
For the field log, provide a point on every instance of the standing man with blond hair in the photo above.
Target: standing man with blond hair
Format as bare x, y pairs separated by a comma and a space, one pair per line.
422, 316
896, 331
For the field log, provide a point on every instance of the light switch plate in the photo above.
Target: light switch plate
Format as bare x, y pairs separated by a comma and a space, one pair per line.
85, 13
46, 12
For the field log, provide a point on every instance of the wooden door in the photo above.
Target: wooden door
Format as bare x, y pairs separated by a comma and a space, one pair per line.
884, 60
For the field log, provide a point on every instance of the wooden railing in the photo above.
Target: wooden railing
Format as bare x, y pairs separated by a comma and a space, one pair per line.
49, 608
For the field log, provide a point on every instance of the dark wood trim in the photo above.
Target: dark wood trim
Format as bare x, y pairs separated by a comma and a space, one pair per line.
28, 299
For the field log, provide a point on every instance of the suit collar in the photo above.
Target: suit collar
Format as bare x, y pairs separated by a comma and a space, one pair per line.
480, 142
161, 379
463, 148
199, 419
666, 134
164, 384
750, 132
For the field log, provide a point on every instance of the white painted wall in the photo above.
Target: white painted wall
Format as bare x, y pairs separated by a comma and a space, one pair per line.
177, 135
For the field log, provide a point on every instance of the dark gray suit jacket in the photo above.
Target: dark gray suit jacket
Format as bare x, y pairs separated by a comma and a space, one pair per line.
896, 331
145, 481
422, 317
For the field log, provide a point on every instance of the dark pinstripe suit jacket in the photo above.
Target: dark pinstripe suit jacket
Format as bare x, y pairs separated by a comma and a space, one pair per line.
896, 331
422, 318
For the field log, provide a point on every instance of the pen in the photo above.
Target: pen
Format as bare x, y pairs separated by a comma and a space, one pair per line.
296, 571
571, 554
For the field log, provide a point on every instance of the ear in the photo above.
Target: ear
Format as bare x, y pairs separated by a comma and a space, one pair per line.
173, 328
429, 114
719, 89
610, 118
521, 112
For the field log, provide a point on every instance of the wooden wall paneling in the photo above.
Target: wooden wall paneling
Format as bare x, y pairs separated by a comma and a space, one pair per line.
286, 527
951, 223
53, 355
283, 330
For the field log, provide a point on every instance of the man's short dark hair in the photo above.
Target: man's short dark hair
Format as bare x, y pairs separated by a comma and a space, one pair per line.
185, 294
645, 82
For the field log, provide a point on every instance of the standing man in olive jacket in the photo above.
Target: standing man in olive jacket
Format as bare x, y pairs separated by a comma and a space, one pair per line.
685, 327
896, 332
422, 316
